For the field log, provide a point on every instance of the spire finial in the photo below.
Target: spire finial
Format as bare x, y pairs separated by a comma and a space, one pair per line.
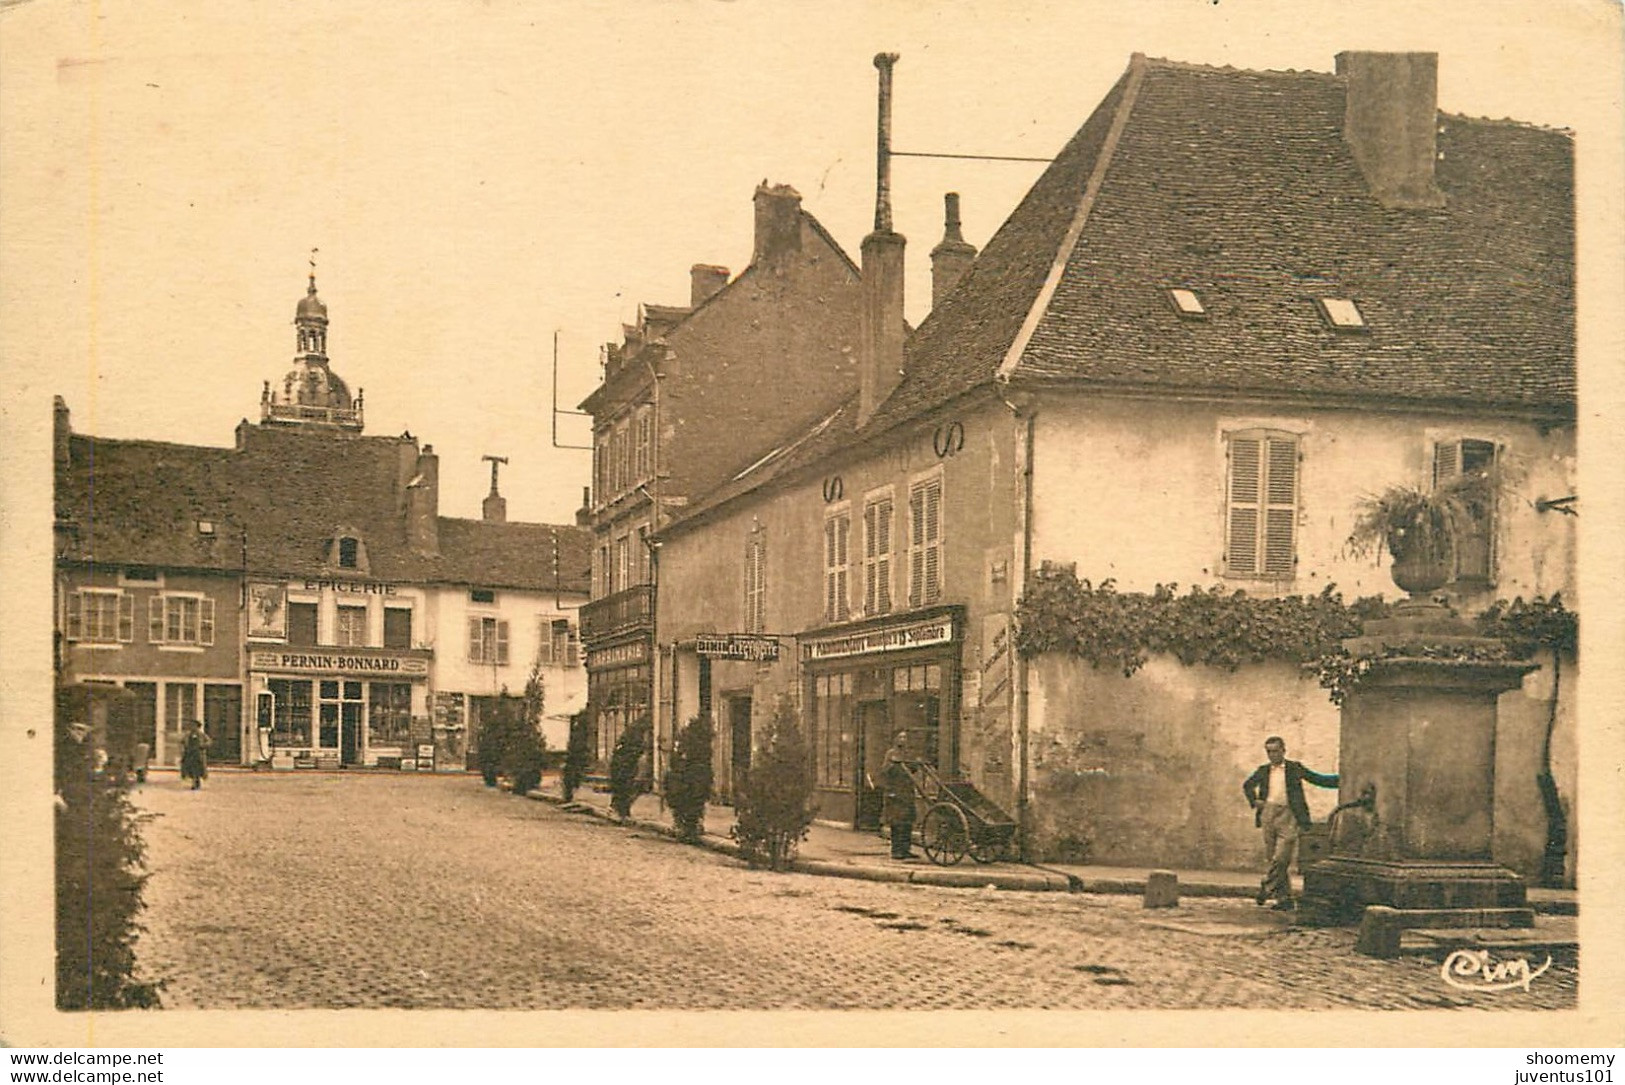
313, 253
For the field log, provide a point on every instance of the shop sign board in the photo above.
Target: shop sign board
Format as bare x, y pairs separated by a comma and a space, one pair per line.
359, 663
753, 647
426, 757
891, 638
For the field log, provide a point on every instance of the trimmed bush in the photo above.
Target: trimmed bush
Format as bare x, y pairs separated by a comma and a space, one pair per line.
688, 781
775, 805
99, 877
577, 755
626, 780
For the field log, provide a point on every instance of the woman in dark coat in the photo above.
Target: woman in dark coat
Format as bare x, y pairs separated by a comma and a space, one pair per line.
897, 807
194, 754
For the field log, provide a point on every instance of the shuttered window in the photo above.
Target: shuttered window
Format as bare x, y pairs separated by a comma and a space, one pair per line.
837, 532
104, 617
756, 583
180, 619
1262, 507
488, 641
925, 542
877, 556
1475, 553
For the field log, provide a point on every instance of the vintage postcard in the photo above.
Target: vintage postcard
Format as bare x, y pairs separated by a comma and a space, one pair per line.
1048, 524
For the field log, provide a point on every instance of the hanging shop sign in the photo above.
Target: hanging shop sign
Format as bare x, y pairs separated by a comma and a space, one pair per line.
268, 611
753, 647
357, 663
890, 638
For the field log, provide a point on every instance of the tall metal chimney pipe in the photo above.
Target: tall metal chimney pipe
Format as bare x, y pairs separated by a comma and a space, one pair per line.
884, 62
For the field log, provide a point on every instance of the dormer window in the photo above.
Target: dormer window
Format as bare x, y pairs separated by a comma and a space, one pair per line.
1187, 303
346, 550
349, 552
1342, 314
205, 527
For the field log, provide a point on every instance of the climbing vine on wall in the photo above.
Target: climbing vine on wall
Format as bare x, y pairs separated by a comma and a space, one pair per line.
1061, 613
1220, 628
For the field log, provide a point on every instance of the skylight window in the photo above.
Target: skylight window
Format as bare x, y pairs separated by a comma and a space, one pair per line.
1187, 304
1342, 313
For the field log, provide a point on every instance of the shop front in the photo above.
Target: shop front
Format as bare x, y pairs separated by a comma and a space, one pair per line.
333, 708
866, 681
619, 692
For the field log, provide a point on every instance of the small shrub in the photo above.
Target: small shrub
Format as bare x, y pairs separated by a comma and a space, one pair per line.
99, 877
626, 781
526, 752
775, 805
577, 755
688, 781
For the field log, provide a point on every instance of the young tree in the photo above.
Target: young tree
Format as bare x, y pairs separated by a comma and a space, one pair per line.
626, 782
577, 755
775, 806
688, 780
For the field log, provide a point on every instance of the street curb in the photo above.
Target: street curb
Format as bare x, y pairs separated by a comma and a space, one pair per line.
1046, 880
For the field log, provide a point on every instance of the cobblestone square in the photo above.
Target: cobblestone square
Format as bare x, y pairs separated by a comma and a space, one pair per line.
326, 890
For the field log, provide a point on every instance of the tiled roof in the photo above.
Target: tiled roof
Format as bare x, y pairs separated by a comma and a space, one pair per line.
138, 503
1239, 185
515, 555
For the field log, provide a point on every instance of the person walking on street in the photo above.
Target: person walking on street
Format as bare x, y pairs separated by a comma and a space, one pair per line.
1275, 790
194, 754
897, 807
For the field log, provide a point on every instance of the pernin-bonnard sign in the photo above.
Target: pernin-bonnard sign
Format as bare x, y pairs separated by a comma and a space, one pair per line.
338, 663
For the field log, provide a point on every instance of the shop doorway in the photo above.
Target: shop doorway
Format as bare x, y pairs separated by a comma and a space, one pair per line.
874, 739
223, 722
739, 725
350, 734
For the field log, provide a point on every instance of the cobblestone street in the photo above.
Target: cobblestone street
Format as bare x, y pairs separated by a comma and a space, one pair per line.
325, 891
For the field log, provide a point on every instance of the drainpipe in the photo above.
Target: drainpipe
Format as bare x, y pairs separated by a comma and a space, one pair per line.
1021, 409
656, 757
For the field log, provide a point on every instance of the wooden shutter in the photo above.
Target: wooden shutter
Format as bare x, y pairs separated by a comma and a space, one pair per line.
933, 541
502, 642
75, 622
829, 569
155, 619
883, 550
205, 622
1446, 462
916, 539
474, 653
1262, 508
126, 618
843, 532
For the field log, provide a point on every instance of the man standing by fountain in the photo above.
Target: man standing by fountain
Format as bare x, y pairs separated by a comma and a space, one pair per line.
1275, 790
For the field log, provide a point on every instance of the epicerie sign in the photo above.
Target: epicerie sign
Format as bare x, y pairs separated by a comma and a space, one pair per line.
312, 662
894, 639
353, 587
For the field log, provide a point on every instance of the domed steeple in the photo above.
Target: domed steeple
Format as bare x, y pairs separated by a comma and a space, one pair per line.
311, 394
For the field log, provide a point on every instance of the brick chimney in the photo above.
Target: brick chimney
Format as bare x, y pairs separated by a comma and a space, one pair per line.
423, 504
705, 280
494, 508
62, 430
880, 355
1391, 124
953, 255
778, 223
584, 513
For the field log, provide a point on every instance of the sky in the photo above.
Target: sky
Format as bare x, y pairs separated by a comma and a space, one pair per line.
480, 178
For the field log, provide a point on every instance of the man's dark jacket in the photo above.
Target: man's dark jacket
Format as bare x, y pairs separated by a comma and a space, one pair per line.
1258, 787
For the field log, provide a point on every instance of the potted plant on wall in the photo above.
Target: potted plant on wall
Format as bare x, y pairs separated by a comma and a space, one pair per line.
1422, 528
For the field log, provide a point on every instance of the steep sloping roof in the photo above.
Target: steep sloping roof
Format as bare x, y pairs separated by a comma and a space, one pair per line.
138, 503
515, 555
1239, 184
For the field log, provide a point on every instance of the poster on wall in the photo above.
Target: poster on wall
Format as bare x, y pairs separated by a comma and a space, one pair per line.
268, 611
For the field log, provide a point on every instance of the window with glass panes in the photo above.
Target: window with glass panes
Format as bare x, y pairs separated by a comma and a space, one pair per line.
389, 713
180, 619
488, 641
100, 616
292, 719
352, 627
834, 744
917, 707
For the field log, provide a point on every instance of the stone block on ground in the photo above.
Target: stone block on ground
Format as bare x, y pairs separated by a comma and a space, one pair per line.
1162, 889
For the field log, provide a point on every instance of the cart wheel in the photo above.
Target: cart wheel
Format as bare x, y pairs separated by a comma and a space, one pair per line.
988, 851
944, 834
